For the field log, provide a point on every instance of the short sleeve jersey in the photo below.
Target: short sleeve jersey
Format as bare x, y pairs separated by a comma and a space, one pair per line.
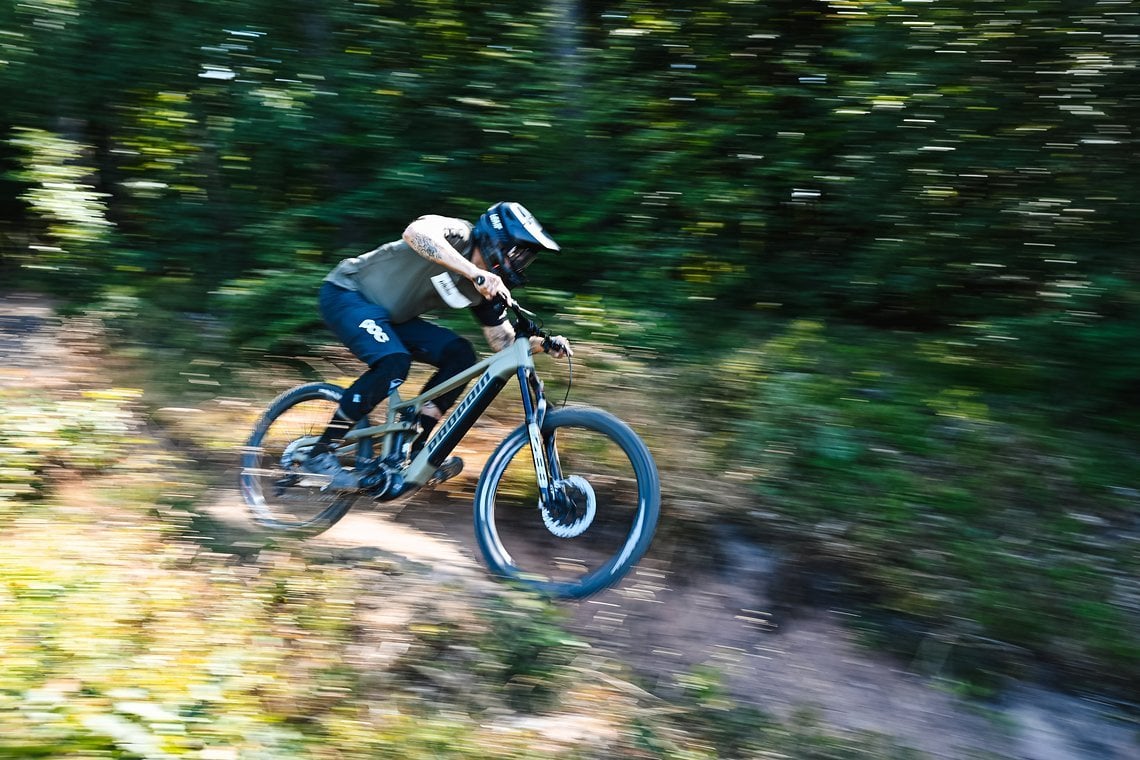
398, 279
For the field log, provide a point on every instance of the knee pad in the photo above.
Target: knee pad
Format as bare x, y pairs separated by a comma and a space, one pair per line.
374, 385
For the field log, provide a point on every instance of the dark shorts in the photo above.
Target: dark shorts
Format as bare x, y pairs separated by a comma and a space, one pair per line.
368, 331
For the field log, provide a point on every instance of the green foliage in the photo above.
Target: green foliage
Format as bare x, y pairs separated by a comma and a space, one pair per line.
87, 434
274, 309
927, 167
70, 228
947, 166
74, 213
526, 635
951, 506
725, 180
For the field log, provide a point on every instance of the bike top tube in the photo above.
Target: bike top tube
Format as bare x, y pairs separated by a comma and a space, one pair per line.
504, 364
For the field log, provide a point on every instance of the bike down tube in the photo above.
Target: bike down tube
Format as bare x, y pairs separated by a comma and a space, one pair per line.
450, 432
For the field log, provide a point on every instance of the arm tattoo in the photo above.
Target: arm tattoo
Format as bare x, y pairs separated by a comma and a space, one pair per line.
425, 244
428, 236
499, 336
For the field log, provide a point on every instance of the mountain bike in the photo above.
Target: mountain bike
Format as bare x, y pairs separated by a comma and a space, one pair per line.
566, 504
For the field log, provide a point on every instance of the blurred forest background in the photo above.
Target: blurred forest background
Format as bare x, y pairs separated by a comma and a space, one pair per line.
881, 255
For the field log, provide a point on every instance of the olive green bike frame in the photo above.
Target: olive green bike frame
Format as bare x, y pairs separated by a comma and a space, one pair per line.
493, 374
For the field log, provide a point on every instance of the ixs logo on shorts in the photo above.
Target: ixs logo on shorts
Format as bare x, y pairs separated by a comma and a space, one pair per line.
376, 331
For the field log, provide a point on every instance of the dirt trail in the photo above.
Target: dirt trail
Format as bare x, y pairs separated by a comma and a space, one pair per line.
669, 616
665, 619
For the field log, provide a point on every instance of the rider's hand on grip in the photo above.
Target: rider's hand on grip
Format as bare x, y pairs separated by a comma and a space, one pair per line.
490, 285
558, 347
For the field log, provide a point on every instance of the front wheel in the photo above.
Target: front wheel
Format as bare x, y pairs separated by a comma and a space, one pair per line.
277, 493
600, 517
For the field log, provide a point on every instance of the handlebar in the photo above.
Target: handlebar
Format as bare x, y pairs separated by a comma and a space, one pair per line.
525, 321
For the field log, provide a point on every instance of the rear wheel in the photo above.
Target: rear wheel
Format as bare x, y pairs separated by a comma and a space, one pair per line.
277, 493
605, 502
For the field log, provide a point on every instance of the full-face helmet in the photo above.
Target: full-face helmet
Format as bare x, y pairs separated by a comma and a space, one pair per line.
509, 237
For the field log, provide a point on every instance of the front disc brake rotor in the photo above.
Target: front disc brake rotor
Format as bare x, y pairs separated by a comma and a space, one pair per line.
575, 509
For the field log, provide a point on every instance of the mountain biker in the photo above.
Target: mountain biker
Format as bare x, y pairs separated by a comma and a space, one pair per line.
373, 303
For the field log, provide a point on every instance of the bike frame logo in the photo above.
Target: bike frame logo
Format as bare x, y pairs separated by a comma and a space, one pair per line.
464, 405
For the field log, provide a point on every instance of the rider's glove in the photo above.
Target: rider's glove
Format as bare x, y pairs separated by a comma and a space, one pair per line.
558, 347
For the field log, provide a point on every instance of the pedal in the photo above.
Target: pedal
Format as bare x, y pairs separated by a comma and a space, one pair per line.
451, 467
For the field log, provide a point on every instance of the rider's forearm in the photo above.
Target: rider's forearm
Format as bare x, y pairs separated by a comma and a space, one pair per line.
499, 336
428, 237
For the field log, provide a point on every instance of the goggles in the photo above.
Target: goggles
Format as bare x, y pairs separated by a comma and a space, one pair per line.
519, 257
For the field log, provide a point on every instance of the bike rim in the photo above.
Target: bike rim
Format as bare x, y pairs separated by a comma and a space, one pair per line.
277, 493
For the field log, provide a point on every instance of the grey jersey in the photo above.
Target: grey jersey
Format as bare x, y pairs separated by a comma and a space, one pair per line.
397, 278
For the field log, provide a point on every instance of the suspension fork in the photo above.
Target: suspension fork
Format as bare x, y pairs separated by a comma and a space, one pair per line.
542, 450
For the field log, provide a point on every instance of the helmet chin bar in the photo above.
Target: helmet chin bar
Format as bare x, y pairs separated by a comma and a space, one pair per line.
510, 265
520, 257
511, 277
